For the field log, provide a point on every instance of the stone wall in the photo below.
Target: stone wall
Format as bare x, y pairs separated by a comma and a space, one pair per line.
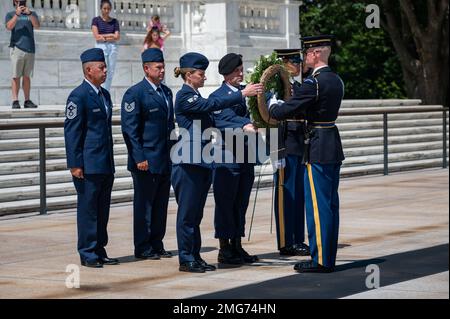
213, 28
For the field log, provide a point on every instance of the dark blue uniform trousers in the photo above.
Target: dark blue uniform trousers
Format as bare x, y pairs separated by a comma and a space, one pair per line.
191, 184
322, 211
289, 204
232, 189
93, 202
151, 198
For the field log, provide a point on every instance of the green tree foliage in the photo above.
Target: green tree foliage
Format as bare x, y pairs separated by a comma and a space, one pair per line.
364, 58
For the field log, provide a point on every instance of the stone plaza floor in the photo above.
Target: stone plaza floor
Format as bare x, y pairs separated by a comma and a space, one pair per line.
396, 224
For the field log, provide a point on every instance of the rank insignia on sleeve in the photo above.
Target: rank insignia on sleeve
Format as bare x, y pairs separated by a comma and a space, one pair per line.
71, 111
193, 99
129, 107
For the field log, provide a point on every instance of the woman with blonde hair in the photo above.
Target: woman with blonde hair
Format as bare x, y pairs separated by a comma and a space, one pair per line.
192, 174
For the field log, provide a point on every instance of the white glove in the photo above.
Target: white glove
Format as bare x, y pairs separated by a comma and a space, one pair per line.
279, 164
273, 101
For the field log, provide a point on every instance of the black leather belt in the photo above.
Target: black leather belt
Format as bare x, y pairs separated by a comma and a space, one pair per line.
295, 121
323, 124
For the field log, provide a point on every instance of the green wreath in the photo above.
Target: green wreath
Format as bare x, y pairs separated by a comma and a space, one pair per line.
270, 72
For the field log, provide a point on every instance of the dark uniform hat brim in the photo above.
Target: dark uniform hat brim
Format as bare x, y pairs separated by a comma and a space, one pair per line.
152, 55
92, 55
316, 41
290, 54
229, 63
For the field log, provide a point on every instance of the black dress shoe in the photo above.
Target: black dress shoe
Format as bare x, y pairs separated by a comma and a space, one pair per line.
295, 250
108, 261
163, 253
192, 266
245, 256
148, 255
312, 267
92, 264
288, 251
249, 259
302, 250
228, 256
205, 265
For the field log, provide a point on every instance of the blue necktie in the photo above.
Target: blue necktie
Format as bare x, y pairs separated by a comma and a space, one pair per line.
100, 94
160, 92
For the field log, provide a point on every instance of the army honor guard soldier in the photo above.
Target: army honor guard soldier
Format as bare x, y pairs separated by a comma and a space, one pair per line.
320, 96
147, 121
289, 203
89, 150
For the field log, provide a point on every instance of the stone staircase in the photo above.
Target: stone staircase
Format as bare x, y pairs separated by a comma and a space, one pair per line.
415, 142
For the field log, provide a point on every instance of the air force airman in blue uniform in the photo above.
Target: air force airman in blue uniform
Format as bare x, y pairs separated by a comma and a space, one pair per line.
191, 176
289, 203
89, 150
232, 182
320, 96
147, 121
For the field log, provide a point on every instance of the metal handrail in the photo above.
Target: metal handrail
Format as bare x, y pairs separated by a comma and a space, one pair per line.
398, 110
42, 124
392, 110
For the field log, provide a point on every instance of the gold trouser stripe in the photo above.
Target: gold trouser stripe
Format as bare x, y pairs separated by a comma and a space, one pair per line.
281, 206
316, 214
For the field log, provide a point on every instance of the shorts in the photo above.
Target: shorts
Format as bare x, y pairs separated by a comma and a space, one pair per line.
22, 63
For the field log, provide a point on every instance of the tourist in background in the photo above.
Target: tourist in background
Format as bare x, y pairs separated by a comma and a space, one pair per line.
164, 32
154, 40
22, 22
155, 21
106, 32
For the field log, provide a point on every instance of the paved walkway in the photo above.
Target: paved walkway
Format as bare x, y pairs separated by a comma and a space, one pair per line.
399, 223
